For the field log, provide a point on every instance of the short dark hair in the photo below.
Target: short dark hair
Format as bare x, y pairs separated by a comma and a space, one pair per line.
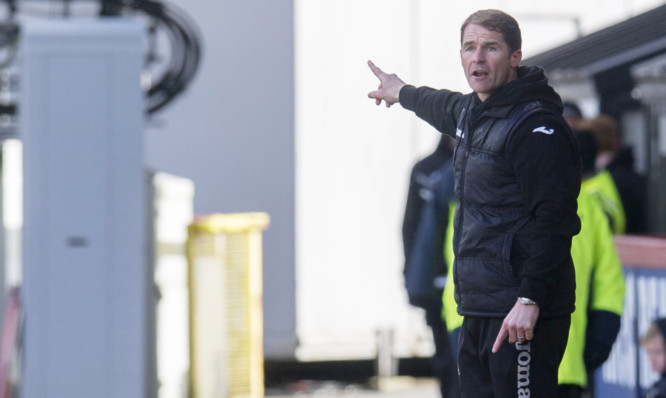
497, 21
655, 330
571, 110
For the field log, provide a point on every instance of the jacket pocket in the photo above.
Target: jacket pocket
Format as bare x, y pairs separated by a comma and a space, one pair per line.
485, 286
509, 257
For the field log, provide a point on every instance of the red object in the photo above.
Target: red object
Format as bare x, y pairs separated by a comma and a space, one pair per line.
10, 331
641, 251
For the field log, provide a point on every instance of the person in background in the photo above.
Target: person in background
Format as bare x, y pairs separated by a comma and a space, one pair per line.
450, 313
628, 187
655, 346
605, 130
423, 231
600, 288
572, 114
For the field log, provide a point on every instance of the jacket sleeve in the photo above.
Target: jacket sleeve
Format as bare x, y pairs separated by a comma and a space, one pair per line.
546, 164
608, 287
606, 295
440, 108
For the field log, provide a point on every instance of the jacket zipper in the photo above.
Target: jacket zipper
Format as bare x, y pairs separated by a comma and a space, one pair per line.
465, 135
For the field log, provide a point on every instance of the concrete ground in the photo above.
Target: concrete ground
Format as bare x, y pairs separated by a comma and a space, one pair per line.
391, 387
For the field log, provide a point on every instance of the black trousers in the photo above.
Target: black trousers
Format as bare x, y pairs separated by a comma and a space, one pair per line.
569, 391
443, 362
516, 370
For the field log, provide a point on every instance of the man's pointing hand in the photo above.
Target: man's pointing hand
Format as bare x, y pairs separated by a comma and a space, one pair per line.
389, 86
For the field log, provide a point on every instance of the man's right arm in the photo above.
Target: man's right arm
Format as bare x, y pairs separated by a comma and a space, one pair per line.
440, 108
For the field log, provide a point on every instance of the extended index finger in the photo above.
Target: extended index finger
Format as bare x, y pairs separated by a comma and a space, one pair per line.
503, 334
375, 69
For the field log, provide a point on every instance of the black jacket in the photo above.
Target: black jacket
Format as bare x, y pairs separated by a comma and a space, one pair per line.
517, 181
424, 226
657, 390
632, 189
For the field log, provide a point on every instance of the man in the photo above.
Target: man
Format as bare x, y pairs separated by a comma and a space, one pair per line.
599, 292
517, 172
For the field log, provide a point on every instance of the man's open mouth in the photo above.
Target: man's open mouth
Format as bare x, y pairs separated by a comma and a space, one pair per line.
479, 73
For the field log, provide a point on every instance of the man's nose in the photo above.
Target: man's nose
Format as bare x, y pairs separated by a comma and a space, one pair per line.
478, 55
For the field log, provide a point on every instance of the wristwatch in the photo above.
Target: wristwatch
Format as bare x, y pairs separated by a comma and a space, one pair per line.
526, 301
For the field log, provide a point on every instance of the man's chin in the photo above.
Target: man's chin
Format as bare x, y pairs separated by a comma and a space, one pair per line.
477, 85
479, 88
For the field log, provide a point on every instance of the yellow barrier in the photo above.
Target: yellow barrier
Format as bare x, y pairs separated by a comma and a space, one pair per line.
226, 317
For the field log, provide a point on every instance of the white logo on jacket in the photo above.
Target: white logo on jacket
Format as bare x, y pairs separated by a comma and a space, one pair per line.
544, 130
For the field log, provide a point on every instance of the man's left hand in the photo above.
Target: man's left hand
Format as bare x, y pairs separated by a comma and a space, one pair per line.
518, 325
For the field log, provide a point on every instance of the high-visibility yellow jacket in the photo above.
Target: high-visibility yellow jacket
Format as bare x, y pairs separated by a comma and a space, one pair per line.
603, 187
599, 284
449, 308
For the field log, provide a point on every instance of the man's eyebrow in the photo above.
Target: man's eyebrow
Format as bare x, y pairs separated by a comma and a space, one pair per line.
483, 43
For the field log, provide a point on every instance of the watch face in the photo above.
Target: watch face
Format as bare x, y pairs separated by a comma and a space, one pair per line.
526, 301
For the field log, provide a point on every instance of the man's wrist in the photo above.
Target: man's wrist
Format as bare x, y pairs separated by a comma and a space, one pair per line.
406, 96
527, 301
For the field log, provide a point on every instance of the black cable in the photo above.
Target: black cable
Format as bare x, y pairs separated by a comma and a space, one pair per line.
185, 52
110, 8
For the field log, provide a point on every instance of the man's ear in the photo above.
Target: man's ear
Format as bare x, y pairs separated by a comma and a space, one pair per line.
515, 58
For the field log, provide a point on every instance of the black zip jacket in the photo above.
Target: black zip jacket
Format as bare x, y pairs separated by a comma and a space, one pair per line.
517, 180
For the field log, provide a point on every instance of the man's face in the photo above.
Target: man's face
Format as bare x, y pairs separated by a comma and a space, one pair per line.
487, 60
656, 354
